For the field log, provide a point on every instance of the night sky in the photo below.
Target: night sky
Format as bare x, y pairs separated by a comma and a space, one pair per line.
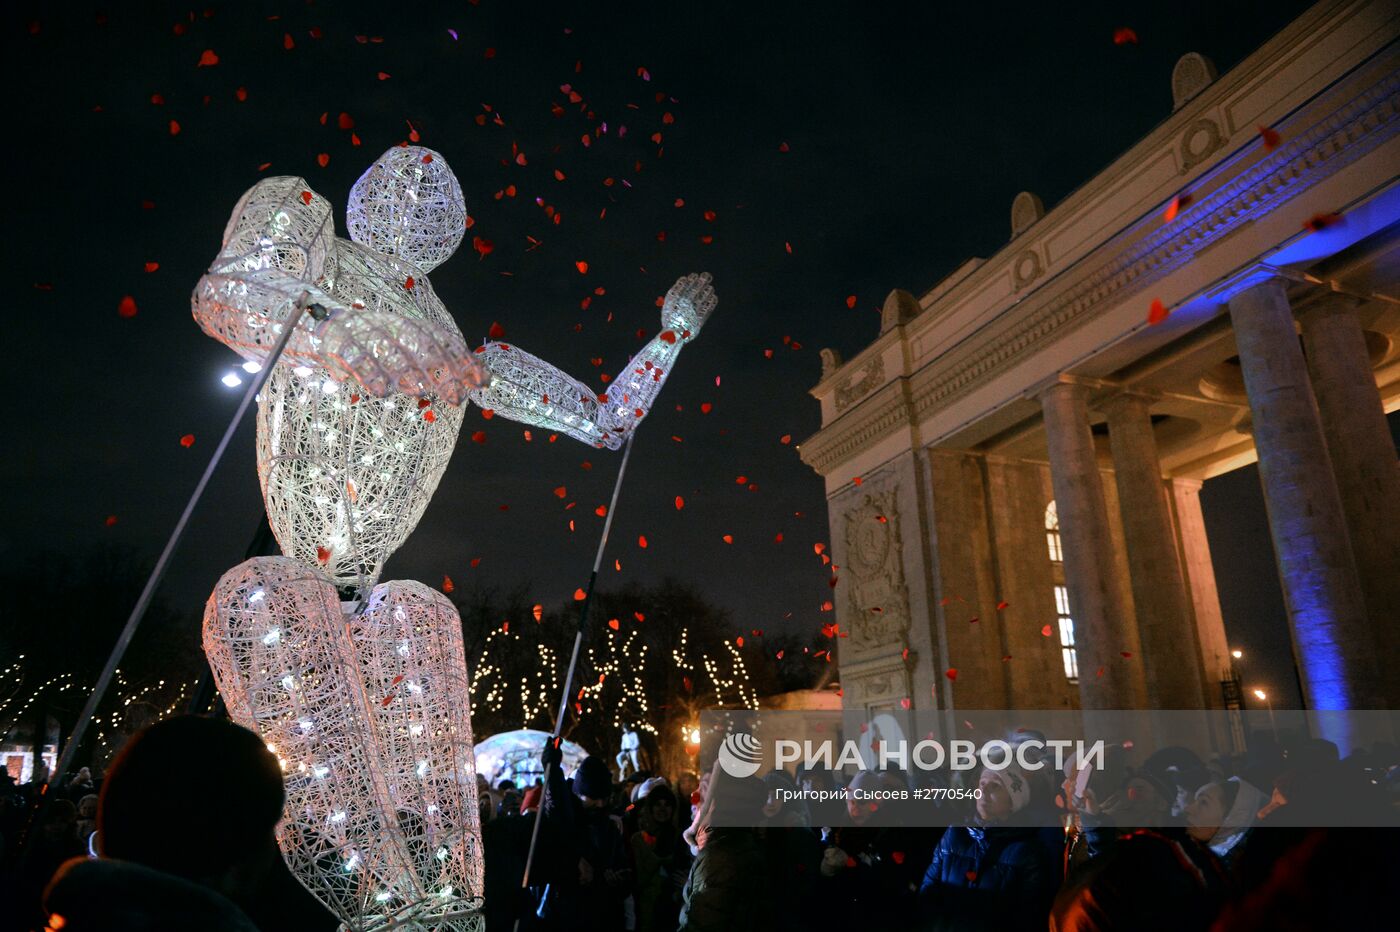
882, 143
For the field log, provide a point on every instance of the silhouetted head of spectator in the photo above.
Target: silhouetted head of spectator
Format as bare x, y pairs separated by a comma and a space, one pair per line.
593, 784
216, 828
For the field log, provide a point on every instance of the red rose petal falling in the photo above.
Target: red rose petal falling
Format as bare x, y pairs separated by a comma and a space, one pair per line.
187, 441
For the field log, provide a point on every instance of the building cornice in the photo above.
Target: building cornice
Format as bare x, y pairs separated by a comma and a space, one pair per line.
1130, 263
1360, 111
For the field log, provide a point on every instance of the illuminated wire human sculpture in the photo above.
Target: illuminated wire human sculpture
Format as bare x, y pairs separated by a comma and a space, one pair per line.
369, 714
368, 704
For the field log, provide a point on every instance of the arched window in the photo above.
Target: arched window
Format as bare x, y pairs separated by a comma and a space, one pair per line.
1068, 654
1052, 533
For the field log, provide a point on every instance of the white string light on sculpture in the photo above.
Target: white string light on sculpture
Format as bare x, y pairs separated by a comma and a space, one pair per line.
408, 204
369, 711
346, 476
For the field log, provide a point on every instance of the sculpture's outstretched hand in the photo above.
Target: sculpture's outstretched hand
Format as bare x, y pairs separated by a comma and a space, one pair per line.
527, 389
688, 304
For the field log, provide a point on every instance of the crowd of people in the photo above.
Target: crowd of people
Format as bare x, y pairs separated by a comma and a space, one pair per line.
180, 835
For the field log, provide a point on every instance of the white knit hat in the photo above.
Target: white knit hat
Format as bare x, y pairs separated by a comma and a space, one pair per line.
1017, 785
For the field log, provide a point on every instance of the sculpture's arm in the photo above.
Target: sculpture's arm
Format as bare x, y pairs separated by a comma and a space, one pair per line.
527, 389
382, 352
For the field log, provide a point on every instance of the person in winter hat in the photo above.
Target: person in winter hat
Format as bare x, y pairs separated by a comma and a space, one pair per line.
992, 873
583, 853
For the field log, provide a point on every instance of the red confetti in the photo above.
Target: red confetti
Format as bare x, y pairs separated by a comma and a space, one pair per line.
345, 121
614, 623
482, 246
408, 283
306, 197
538, 612
1270, 137
323, 159
850, 300
152, 266
739, 641
127, 307
187, 441
1174, 208
904, 704
384, 76
496, 332
111, 520
680, 503
241, 94
1046, 631
580, 595
479, 437
1003, 604
706, 408
642, 541
288, 42
582, 267
174, 127
1321, 222
951, 673
898, 856
783, 147
322, 555
728, 538
208, 59
447, 584
1157, 313
1124, 36
1127, 654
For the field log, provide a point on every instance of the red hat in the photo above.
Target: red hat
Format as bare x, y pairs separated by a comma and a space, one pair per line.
531, 800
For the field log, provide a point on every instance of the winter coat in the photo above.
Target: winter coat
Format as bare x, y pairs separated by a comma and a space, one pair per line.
1153, 881
870, 875
570, 833
727, 890
989, 877
119, 896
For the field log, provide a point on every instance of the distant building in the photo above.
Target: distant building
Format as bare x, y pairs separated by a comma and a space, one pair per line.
1013, 466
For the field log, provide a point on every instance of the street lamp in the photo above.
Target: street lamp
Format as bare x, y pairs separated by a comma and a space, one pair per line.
1264, 698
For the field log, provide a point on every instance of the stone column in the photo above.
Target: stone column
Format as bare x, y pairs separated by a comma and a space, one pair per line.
1103, 629
1170, 653
1363, 463
1321, 588
1198, 572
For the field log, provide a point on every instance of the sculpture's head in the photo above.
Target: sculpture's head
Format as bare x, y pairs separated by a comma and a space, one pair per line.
409, 205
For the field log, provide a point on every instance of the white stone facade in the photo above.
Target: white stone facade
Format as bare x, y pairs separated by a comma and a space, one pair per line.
991, 395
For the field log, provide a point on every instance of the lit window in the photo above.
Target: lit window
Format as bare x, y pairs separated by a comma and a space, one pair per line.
1052, 534
1062, 610
1071, 659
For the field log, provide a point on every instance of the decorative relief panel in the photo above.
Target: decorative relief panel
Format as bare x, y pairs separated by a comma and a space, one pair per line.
876, 595
856, 387
1026, 268
1200, 140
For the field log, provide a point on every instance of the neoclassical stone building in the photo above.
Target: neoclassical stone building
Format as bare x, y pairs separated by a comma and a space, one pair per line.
1013, 466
